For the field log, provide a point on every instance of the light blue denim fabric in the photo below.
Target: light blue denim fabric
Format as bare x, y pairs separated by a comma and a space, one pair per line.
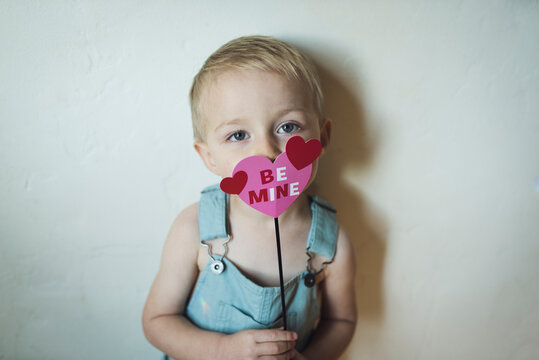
229, 302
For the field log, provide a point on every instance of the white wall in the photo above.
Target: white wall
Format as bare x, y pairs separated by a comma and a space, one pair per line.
434, 165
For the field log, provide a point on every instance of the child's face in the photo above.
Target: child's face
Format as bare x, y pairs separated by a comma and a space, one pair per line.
253, 112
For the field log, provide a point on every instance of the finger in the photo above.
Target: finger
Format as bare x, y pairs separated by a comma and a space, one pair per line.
275, 335
288, 356
274, 347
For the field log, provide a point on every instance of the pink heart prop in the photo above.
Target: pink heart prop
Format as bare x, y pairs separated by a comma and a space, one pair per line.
272, 187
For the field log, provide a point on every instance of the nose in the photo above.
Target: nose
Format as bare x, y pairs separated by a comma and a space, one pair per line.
268, 147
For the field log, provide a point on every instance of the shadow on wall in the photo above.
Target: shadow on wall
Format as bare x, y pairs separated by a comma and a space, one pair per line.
351, 152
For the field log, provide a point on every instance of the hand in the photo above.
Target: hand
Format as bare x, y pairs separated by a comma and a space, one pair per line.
276, 344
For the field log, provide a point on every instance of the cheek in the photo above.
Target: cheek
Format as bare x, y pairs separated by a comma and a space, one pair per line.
228, 165
313, 173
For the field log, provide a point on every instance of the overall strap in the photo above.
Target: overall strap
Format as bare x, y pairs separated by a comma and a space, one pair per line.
323, 234
212, 209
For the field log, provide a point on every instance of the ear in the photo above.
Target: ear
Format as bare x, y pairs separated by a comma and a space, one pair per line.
325, 134
204, 152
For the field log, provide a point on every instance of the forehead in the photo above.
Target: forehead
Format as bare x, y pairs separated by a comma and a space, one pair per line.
248, 93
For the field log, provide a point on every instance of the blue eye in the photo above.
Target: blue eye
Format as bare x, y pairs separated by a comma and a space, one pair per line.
288, 128
238, 136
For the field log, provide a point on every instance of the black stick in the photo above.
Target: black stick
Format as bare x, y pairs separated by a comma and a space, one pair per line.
281, 282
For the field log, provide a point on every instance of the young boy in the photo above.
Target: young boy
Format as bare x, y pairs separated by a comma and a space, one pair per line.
216, 295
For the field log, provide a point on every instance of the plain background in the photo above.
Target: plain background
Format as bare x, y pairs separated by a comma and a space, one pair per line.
434, 165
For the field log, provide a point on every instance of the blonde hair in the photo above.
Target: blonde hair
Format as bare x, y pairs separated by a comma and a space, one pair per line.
260, 53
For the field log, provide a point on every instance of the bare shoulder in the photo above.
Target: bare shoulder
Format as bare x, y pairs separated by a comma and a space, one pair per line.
344, 253
186, 222
183, 235
339, 284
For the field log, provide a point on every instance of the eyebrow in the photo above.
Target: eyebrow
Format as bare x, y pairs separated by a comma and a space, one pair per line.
234, 121
284, 111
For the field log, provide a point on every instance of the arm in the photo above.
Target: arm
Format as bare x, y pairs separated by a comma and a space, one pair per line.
339, 314
162, 320
169, 330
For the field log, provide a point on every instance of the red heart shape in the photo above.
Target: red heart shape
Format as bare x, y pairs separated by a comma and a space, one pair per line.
234, 184
301, 153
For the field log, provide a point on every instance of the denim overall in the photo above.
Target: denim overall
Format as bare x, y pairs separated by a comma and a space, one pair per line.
226, 301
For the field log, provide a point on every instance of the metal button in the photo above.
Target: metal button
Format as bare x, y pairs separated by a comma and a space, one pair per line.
217, 266
310, 280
